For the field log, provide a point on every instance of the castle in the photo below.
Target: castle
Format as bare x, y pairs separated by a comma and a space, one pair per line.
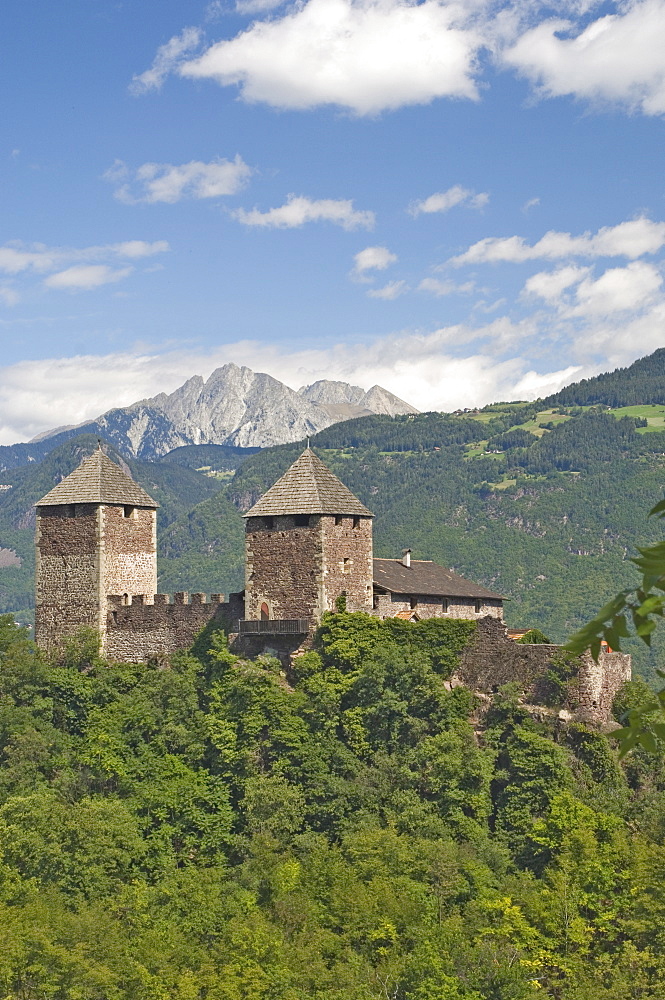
308, 544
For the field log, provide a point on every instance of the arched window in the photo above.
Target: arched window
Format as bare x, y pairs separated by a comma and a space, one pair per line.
265, 612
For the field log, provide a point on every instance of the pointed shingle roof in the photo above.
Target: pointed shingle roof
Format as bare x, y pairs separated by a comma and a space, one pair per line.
98, 480
308, 487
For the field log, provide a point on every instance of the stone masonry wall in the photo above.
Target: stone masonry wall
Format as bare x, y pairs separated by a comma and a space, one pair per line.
129, 550
492, 660
283, 568
427, 606
347, 562
155, 626
67, 571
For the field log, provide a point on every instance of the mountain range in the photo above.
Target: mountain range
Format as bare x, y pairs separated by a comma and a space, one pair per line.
235, 406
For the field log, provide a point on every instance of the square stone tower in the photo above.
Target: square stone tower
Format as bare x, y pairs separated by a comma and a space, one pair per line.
96, 535
308, 541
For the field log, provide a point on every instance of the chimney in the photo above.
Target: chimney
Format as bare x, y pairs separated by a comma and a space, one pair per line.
406, 558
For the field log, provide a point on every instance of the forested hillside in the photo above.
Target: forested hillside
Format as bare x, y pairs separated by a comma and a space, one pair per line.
545, 503
219, 831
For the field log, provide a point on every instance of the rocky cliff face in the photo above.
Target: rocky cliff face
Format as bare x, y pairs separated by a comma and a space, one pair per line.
235, 406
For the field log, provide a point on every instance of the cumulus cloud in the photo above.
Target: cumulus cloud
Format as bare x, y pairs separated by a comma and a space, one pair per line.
298, 210
619, 289
616, 58
364, 55
629, 239
167, 59
372, 259
86, 276
166, 182
442, 201
549, 285
390, 291
75, 268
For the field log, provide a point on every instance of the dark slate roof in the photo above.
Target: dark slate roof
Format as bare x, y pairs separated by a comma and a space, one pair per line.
308, 487
426, 577
98, 480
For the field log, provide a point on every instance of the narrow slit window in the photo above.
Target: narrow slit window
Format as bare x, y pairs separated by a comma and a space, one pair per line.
128, 511
356, 522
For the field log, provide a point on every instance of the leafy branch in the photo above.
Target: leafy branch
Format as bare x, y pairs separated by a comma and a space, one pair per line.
641, 607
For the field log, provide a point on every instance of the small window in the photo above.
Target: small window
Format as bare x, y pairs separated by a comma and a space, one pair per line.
346, 566
338, 520
356, 522
128, 511
265, 612
478, 606
445, 604
301, 520
413, 602
125, 599
115, 617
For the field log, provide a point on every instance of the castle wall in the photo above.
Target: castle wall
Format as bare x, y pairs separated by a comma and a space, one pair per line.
492, 660
129, 550
67, 571
347, 562
154, 626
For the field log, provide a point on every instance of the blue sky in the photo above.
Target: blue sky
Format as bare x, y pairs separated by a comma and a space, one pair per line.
460, 201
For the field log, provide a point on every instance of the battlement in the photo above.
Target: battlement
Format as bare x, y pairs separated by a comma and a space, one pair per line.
142, 626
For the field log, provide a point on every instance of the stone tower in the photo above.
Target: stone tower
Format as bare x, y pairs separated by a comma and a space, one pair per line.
96, 535
308, 541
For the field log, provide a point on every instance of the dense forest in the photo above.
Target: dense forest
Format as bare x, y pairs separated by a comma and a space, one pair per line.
219, 830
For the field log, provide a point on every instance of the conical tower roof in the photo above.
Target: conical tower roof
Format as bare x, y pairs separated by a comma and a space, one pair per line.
98, 480
308, 487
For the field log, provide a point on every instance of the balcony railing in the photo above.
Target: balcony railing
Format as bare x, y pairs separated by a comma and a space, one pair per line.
277, 626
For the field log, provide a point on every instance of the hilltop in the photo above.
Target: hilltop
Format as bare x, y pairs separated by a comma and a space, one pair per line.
541, 502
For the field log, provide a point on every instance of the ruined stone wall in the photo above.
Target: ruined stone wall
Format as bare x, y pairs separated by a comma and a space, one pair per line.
155, 626
283, 567
129, 550
427, 606
67, 571
347, 561
492, 660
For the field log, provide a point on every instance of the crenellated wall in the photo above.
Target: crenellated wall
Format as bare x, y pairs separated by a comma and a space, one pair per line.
155, 625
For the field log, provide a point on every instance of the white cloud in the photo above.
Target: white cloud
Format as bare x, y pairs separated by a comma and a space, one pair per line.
437, 287
531, 203
298, 210
619, 289
390, 291
364, 55
628, 239
74, 268
9, 296
86, 276
167, 59
443, 201
257, 6
372, 259
421, 368
166, 182
549, 285
616, 58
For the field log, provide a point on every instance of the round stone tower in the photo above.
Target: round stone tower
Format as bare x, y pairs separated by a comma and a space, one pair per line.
308, 541
96, 536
